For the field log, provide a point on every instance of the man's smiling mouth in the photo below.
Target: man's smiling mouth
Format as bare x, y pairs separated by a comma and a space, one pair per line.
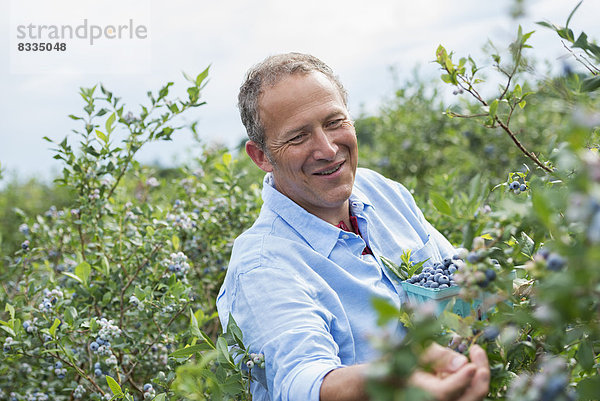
331, 170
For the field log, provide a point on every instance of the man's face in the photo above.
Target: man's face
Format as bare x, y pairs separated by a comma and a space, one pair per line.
311, 143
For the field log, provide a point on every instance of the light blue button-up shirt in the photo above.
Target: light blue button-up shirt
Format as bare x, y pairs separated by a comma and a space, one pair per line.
301, 290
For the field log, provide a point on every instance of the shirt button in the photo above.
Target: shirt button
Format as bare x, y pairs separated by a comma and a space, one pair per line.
345, 236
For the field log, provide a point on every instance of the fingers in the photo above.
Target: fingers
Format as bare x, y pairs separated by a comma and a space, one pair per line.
481, 379
450, 387
443, 360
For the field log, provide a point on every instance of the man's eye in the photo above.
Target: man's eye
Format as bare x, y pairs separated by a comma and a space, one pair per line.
335, 123
297, 139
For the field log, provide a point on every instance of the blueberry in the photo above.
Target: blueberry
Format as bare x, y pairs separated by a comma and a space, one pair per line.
473, 257
99, 341
60, 376
490, 274
483, 283
147, 387
555, 262
462, 348
452, 269
98, 372
97, 365
544, 252
490, 333
447, 262
515, 185
442, 286
434, 285
523, 188
58, 365
26, 324
94, 346
444, 280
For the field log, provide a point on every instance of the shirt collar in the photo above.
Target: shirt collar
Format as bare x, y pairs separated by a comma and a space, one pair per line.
319, 234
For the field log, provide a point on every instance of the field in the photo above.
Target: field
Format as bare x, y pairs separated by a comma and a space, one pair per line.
109, 276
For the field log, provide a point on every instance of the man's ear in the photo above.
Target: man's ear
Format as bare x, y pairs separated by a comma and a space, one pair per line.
258, 156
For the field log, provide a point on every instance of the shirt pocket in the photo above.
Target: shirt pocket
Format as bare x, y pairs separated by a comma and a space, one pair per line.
428, 252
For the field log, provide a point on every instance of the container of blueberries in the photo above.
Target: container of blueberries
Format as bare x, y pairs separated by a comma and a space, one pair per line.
436, 284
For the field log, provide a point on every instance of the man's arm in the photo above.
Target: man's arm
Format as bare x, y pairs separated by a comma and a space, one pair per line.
453, 377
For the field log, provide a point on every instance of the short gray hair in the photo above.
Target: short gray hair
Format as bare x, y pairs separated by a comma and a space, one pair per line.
268, 73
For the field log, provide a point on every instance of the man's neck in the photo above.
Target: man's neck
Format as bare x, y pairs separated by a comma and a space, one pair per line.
335, 216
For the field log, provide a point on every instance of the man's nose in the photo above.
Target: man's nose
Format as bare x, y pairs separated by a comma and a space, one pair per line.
324, 147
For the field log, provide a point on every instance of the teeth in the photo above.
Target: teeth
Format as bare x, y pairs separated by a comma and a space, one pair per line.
333, 170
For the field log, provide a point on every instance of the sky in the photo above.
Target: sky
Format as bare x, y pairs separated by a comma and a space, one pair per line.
361, 41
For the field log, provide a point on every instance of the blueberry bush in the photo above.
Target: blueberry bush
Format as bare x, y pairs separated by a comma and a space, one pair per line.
103, 292
532, 239
109, 277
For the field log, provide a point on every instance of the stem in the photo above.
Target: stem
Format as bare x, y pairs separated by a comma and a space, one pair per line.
527, 153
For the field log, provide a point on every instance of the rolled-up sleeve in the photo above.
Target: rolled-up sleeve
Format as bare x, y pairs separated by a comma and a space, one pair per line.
281, 316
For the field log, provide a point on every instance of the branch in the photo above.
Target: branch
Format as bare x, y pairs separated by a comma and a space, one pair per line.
527, 153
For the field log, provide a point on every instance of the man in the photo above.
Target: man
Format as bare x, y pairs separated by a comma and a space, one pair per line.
301, 279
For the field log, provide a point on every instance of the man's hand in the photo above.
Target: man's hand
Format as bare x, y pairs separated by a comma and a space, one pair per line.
454, 377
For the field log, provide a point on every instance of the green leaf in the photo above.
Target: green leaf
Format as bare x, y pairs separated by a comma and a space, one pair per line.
114, 386
70, 315
202, 76
587, 389
10, 309
394, 268
386, 311
227, 159
234, 330
73, 276
192, 349
83, 270
522, 103
195, 330
55, 325
573, 12
8, 330
223, 351
585, 355
175, 240
101, 136
109, 123
590, 84
105, 265
493, 108
440, 204
160, 397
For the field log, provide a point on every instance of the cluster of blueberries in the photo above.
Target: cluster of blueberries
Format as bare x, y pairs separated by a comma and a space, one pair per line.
149, 392
100, 346
50, 299
98, 369
438, 276
177, 263
256, 360
517, 187
78, 392
8, 342
59, 371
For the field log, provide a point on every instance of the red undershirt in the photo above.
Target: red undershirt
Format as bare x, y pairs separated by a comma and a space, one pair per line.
354, 224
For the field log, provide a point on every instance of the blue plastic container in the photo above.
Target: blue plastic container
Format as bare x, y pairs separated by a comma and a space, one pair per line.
417, 294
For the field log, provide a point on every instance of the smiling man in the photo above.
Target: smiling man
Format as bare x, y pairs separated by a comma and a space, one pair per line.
301, 280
